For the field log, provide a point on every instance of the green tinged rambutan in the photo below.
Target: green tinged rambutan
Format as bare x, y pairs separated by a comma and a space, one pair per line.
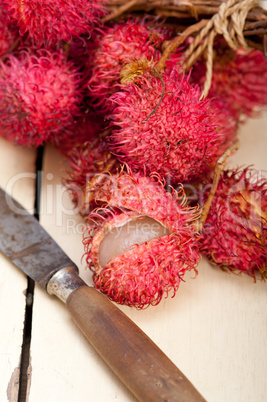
234, 235
39, 96
156, 243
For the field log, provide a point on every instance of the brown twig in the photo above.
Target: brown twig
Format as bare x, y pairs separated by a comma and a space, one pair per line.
255, 45
254, 25
176, 42
220, 165
258, 31
172, 14
186, 9
121, 10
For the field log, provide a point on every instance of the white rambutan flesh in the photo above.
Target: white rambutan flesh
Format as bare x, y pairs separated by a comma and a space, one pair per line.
128, 235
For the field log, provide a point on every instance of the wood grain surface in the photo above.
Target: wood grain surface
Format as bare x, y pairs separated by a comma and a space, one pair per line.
214, 329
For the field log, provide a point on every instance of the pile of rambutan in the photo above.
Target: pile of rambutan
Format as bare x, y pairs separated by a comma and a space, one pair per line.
135, 135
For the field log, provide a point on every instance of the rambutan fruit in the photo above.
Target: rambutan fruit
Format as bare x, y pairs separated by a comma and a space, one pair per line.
239, 78
48, 22
121, 44
8, 34
78, 50
39, 96
141, 246
228, 122
88, 162
234, 234
85, 129
177, 135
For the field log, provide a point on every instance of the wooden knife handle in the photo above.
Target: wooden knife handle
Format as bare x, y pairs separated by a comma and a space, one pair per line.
136, 360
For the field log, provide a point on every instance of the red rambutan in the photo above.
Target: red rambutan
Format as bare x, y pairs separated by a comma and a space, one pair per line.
8, 34
234, 234
84, 129
39, 96
140, 249
88, 162
228, 122
239, 78
180, 140
119, 45
49, 22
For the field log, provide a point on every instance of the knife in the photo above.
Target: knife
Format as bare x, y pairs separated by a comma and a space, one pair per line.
147, 372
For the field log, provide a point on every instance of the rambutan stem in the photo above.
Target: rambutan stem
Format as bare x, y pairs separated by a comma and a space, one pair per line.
158, 75
105, 133
66, 48
179, 40
220, 165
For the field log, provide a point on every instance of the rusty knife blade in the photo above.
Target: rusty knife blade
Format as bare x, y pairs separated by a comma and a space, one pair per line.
27, 244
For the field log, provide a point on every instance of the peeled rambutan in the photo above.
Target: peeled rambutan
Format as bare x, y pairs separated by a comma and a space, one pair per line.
234, 234
49, 22
39, 96
179, 137
121, 44
239, 78
141, 246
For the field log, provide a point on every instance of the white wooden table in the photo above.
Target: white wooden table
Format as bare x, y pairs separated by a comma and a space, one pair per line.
214, 330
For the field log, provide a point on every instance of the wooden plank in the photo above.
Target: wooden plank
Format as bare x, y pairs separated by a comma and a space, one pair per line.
17, 167
214, 329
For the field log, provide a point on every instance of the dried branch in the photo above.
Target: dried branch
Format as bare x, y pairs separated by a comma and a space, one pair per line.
120, 10
186, 9
175, 43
